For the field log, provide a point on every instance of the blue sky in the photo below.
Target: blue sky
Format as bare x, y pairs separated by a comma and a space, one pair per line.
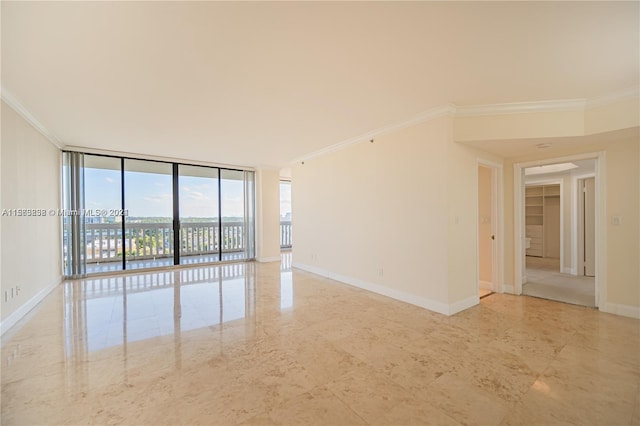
150, 194
285, 198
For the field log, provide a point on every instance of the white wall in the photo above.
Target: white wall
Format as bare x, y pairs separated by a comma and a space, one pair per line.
31, 254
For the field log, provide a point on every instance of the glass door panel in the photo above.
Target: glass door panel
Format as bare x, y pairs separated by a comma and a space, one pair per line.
233, 214
285, 214
199, 214
103, 219
149, 204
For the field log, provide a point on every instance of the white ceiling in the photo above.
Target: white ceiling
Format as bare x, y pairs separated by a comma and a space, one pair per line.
583, 167
260, 84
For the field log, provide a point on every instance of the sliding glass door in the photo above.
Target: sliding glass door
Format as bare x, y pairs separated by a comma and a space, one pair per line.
232, 199
199, 214
124, 214
103, 223
148, 189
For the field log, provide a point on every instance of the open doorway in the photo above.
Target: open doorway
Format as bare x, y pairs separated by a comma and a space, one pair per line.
489, 228
556, 227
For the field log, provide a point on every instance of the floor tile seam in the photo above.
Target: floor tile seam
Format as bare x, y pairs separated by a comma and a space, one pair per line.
344, 402
420, 400
407, 389
484, 392
608, 357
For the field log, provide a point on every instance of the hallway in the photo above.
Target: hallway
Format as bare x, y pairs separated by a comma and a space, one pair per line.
545, 281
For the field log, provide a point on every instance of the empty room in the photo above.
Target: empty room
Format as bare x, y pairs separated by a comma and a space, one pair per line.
332, 213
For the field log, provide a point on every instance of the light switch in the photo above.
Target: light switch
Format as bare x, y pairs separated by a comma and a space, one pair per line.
616, 220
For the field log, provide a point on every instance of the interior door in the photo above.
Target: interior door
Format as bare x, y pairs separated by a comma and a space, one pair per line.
486, 233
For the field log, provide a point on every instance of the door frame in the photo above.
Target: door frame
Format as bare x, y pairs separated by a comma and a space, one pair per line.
497, 225
575, 242
601, 225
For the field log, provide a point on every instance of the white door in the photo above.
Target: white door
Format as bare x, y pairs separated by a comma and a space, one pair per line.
486, 226
587, 228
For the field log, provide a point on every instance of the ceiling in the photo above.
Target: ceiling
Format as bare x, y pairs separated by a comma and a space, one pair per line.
583, 167
260, 84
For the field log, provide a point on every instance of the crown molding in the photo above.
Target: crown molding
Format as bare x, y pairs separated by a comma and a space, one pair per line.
623, 95
416, 119
23, 112
547, 106
521, 107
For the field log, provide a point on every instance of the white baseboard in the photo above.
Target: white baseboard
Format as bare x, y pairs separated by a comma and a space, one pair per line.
624, 310
463, 304
509, 288
309, 268
432, 305
23, 310
268, 259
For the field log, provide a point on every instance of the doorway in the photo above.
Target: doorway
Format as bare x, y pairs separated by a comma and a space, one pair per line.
558, 201
489, 228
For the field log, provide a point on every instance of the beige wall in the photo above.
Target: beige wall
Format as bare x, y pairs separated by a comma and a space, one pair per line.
377, 212
30, 179
374, 214
485, 243
268, 215
397, 216
519, 125
623, 247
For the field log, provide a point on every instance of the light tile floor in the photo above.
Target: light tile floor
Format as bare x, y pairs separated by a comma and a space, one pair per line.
257, 344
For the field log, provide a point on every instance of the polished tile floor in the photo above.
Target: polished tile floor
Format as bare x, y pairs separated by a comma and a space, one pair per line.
260, 344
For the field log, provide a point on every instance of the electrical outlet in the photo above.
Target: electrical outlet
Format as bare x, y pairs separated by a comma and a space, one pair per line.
381, 272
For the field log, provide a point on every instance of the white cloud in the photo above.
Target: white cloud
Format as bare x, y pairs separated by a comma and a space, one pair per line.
195, 195
162, 198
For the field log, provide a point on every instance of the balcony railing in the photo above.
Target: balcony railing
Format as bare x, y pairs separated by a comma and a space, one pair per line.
285, 234
155, 240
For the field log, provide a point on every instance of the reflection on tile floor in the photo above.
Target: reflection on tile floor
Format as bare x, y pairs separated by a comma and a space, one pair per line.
162, 262
258, 343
